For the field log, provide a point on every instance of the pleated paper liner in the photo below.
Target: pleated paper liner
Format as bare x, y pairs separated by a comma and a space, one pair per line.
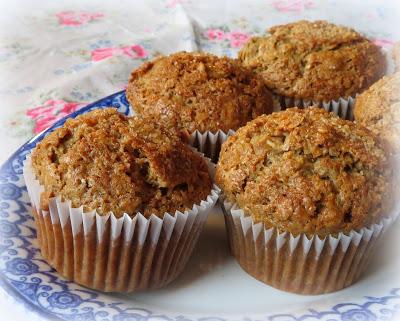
296, 263
113, 254
395, 163
343, 107
391, 64
209, 143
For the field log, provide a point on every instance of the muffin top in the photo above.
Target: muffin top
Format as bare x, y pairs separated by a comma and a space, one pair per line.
198, 91
305, 171
314, 60
378, 109
106, 161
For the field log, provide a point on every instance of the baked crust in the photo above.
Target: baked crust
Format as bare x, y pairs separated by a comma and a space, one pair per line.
316, 60
378, 109
198, 91
106, 161
306, 171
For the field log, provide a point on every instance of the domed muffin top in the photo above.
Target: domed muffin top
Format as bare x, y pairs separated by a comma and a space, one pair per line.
198, 91
378, 109
316, 60
306, 171
106, 161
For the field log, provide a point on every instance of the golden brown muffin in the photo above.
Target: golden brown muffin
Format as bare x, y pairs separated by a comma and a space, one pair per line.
314, 60
396, 55
305, 171
378, 109
198, 91
106, 161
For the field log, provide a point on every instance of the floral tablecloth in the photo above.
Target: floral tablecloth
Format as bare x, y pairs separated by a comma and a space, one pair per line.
57, 56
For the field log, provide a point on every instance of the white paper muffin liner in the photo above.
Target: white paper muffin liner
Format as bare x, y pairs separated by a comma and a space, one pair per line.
391, 64
343, 107
113, 254
296, 263
395, 163
209, 143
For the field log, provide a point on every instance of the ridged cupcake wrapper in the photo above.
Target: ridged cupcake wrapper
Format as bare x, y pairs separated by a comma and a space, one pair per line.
343, 107
395, 162
391, 65
296, 263
209, 143
113, 254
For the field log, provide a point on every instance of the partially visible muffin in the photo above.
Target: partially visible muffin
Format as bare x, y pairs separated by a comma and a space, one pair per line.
108, 162
378, 109
198, 91
316, 60
306, 171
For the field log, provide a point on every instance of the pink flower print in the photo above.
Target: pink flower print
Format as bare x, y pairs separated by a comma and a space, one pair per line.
237, 38
215, 34
173, 3
293, 5
384, 43
132, 51
103, 53
77, 18
52, 110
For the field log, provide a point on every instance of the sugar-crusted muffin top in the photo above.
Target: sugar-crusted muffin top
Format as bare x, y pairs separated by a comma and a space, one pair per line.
306, 171
316, 60
378, 109
106, 161
198, 91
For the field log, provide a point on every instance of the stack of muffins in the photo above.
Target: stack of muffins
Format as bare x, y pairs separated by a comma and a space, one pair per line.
119, 202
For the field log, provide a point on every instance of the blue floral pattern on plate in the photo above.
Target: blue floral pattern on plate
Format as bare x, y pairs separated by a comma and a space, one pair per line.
30, 278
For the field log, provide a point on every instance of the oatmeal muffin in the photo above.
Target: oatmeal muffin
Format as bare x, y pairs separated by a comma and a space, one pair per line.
297, 186
378, 109
198, 91
108, 162
305, 171
127, 201
316, 61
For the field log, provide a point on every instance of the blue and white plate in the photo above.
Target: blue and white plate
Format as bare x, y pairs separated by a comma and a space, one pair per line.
213, 286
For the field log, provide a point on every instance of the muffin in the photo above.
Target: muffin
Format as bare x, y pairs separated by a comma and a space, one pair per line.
378, 109
121, 193
198, 92
306, 194
314, 61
